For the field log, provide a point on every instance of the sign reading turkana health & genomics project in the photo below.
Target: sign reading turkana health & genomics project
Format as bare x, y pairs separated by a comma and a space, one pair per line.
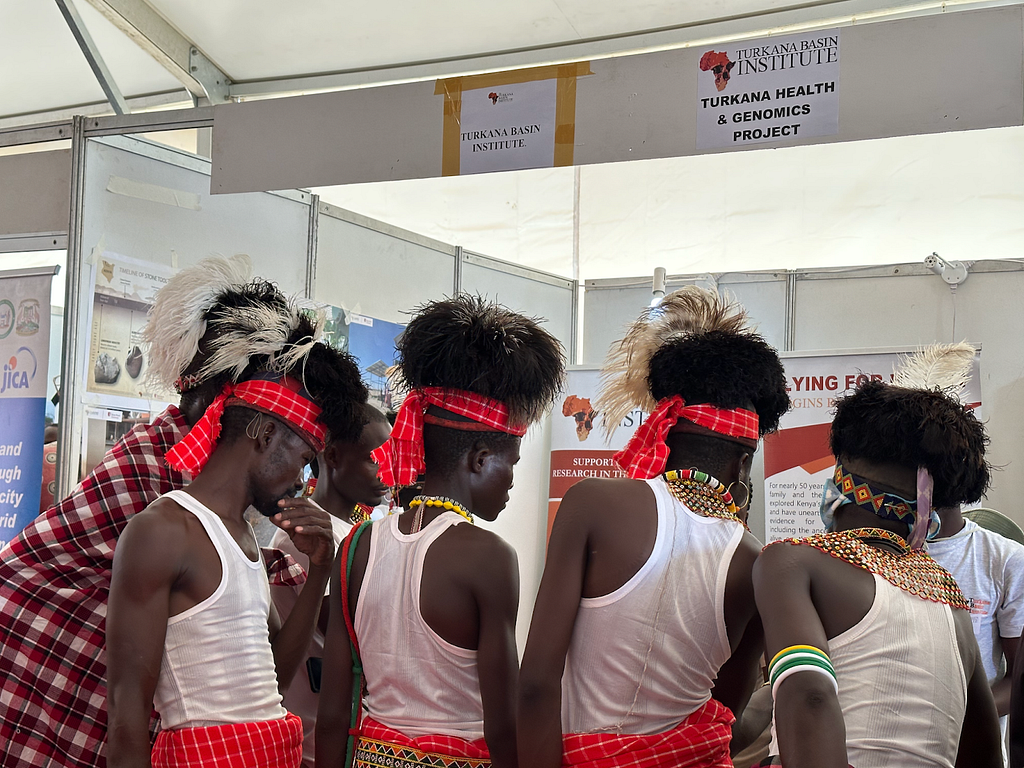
772, 89
24, 353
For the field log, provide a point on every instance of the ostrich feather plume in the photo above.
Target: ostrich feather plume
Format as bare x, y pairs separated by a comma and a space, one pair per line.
942, 367
177, 319
258, 331
683, 313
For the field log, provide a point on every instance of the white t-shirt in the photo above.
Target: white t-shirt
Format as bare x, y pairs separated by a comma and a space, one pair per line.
299, 699
990, 571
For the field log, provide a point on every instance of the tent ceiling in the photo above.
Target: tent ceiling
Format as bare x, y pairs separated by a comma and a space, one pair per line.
46, 70
255, 41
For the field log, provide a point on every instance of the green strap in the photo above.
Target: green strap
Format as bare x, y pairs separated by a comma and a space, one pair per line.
357, 666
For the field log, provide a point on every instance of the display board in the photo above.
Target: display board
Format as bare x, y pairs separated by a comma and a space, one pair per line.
797, 457
24, 350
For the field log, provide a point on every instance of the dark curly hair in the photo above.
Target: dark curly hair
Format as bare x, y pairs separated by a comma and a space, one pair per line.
468, 343
886, 424
724, 369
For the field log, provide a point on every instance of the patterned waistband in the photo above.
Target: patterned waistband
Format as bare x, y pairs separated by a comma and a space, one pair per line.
373, 753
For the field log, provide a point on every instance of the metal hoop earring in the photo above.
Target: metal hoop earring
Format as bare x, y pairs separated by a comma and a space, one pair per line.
746, 498
252, 431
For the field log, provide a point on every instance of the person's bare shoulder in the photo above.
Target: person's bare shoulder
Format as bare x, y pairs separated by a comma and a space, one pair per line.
477, 549
163, 529
600, 502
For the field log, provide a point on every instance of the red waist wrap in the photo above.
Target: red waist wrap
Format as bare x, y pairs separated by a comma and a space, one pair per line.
267, 744
380, 745
700, 741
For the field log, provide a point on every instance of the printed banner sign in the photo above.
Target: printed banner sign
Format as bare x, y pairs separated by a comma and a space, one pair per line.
24, 350
773, 89
797, 458
578, 445
123, 291
508, 127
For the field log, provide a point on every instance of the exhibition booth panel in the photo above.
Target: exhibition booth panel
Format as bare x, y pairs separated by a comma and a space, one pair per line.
377, 270
146, 211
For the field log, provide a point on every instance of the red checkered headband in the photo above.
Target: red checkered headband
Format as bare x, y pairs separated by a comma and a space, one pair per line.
272, 393
401, 457
646, 453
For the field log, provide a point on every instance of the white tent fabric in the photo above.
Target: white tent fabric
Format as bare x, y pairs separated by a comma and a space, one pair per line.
260, 41
830, 205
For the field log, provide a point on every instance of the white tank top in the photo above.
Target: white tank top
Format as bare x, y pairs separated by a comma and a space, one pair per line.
902, 686
416, 682
645, 656
218, 666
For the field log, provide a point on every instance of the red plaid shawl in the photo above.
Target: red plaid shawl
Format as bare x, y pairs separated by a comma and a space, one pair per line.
401, 457
267, 744
54, 581
700, 741
646, 453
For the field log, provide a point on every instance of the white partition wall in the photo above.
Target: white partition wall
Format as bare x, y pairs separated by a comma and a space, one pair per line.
150, 204
374, 269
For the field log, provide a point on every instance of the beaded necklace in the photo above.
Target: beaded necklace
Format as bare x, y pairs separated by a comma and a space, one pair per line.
702, 494
911, 570
422, 502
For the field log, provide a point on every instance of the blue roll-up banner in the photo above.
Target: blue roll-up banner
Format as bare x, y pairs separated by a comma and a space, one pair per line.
24, 352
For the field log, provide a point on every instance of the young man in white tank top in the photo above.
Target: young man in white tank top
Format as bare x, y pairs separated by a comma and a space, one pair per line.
874, 661
645, 640
432, 598
191, 630
347, 478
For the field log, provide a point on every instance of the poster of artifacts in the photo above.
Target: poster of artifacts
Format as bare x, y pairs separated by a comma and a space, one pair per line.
797, 458
25, 353
123, 291
371, 342
579, 448
772, 89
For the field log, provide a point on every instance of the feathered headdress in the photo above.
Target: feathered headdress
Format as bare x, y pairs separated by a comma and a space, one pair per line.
470, 344
253, 329
943, 367
683, 313
177, 319
251, 320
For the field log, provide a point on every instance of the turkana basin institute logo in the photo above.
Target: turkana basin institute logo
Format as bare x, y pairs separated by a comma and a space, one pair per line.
719, 65
497, 97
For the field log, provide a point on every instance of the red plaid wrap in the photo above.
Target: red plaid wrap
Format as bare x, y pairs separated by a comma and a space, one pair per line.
401, 457
646, 453
54, 581
283, 397
700, 741
267, 744
434, 745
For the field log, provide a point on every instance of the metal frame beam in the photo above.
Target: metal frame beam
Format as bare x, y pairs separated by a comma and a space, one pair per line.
95, 108
175, 52
93, 56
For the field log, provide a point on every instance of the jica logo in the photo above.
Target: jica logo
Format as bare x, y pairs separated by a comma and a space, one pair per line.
19, 370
